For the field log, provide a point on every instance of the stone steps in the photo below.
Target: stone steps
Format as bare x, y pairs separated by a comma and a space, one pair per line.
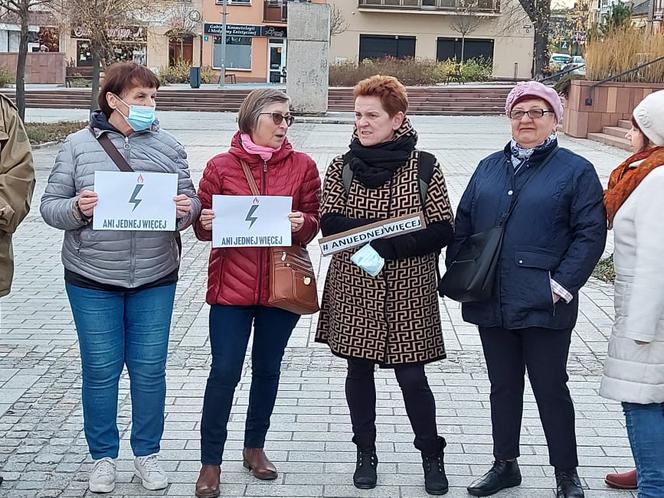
604, 138
471, 101
614, 135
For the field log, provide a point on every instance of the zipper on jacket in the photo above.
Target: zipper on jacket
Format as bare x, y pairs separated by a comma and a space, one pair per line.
262, 190
386, 300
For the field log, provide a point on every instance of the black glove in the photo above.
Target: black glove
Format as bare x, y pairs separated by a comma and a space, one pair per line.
394, 248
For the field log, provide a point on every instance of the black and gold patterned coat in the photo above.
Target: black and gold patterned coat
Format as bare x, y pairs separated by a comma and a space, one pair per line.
394, 318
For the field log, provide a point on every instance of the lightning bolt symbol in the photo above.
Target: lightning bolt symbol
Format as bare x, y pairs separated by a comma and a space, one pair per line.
251, 218
133, 199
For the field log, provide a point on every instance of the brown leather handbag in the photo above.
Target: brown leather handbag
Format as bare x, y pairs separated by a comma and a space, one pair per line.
292, 276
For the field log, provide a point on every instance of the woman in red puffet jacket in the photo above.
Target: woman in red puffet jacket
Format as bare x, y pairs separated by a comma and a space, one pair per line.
238, 281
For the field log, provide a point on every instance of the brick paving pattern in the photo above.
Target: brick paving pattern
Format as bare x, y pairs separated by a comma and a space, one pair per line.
42, 447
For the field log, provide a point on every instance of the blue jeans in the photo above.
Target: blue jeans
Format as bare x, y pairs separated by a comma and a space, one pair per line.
230, 328
116, 329
645, 428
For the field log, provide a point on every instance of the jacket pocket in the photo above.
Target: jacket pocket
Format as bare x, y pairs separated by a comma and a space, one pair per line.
534, 270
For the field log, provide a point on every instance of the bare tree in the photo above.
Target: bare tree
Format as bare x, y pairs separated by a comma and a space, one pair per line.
338, 22
180, 19
21, 9
527, 15
465, 20
97, 19
539, 13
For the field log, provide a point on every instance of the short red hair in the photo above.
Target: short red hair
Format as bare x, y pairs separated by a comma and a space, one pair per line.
388, 89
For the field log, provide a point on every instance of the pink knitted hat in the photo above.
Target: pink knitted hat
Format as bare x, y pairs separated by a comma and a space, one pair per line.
535, 89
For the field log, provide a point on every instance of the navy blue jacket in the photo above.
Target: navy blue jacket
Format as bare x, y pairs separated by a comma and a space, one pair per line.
557, 230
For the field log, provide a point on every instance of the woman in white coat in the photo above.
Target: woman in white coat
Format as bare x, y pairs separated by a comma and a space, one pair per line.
634, 369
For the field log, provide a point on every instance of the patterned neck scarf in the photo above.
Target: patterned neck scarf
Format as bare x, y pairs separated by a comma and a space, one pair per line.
521, 155
625, 178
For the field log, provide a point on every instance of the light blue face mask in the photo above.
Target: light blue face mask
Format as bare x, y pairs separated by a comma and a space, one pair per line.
140, 117
369, 260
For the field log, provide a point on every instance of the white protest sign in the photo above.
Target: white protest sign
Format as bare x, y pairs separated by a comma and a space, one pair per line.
251, 221
135, 201
367, 233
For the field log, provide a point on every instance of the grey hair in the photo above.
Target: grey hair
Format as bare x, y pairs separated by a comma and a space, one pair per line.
254, 104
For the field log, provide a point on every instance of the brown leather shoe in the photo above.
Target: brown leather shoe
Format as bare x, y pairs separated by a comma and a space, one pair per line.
626, 480
207, 485
259, 465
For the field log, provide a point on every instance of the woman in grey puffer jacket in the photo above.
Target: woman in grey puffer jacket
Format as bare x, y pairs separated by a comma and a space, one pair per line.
120, 284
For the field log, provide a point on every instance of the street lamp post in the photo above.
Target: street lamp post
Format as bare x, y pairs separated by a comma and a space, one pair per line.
224, 13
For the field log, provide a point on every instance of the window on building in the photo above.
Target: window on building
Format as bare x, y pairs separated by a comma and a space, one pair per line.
450, 48
238, 52
377, 47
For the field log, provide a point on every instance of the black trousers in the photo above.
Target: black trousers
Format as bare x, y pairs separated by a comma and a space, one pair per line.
417, 395
544, 353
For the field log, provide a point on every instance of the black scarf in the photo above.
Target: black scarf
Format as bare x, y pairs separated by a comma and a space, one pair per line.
375, 165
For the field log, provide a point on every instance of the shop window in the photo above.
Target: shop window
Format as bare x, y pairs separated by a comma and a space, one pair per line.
474, 48
238, 52
377, 47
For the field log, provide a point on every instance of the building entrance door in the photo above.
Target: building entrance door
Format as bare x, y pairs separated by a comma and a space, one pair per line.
276, 72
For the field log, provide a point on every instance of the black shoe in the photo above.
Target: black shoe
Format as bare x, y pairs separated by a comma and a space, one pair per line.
435, 480
503, 474
568, 484
365, 476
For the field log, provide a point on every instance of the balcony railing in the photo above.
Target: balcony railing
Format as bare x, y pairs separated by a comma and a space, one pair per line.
275, 11
444, 6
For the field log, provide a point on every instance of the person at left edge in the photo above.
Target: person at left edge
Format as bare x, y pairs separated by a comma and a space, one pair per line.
17, 182
120, 284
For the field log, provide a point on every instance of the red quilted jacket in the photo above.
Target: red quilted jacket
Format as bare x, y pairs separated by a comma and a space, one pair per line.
239, 276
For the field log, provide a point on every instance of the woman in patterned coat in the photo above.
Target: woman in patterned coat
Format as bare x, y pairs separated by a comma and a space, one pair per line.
391, 320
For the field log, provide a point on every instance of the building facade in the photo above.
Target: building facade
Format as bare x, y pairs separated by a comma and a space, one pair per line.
256, 39
498, 30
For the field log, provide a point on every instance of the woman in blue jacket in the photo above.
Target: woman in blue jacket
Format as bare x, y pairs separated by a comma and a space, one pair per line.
553, 239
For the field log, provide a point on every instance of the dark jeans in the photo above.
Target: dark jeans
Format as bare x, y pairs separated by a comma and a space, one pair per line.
645, 428
417, 395
544, 353
230, 328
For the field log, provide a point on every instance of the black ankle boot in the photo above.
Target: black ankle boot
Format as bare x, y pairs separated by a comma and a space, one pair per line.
435, 480
568, 484
503, 474
365, 476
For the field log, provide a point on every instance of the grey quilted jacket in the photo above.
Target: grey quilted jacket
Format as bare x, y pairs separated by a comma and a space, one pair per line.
119, 258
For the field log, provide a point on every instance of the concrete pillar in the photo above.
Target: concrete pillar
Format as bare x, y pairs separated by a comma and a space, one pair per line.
307, 59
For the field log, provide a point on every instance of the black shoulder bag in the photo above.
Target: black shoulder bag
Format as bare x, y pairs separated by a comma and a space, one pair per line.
124, 166
472, 274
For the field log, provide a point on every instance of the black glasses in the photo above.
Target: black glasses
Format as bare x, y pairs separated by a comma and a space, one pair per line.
277, 118
532, 114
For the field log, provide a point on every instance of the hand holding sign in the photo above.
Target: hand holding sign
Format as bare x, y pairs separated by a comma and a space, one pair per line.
87, 200
182, 205
207, 215
296, 219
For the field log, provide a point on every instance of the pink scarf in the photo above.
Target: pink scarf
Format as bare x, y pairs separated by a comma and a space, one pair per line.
264, 152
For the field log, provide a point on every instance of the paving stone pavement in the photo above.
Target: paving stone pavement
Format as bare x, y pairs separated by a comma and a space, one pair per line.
42, 447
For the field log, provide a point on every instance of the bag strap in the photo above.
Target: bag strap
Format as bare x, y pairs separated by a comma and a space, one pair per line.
250, 178
426, 162
114, 153
515, 197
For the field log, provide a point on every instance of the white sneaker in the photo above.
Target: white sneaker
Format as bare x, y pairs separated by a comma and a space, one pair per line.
150, 472
102, 477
